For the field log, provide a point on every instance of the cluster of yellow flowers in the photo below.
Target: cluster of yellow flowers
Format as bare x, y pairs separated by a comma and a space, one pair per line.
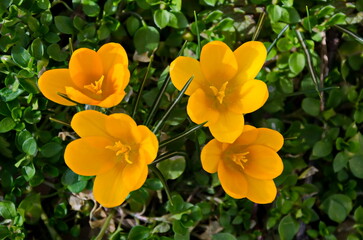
117, 150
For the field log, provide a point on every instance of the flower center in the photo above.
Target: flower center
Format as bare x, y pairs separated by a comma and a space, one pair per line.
122, 151
219, 94
95, 87
240, 159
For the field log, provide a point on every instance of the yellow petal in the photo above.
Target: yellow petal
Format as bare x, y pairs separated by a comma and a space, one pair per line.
90, 123
53, 82
80, 97
248, 136
112, 100
149, 144
183, 68
263, 163
211, 156
270, 138
200, 108
88, 156
232, 180
112, 54
228, 127
250, 57
261, 191
109, 189
251, 96
122, 126
116, 79
142, 178
85, 67
132, 173
218, 63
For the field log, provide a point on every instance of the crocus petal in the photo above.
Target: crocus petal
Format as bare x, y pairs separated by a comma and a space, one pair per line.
218, 63
228, 127
85, 67
116, 79
200, 108
248, 136
261, 191
109, 188
123, 127
250, 58
263, 163
112, 54
211, 155
80, 97
251, 96
269, 138
142, 178
112, 100
132, 173
90, 123
232, 180
183, 68
53, 82
89, 156
149, 144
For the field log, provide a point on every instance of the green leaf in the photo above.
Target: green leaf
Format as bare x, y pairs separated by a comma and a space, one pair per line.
358, 215
311, 106
32, 208
146, 39
290, 15
6, 124
288, 227
213, 16
132, 24
173, 167
274, 12
223, 236
91, 8
7, 94
56, 53
7, 209
296, 62
43, 4
322, 148
139, 233
161, 18
337, 206
356, 166
340, 161
338, 18
51, 149
28, 171
29, 146
177, 20
20, 56
210, 2
64, 24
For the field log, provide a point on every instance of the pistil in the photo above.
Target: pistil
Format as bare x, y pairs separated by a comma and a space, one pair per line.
95, 87
219, 94
122, 151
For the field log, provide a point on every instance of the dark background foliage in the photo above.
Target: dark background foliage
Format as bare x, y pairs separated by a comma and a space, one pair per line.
315, 77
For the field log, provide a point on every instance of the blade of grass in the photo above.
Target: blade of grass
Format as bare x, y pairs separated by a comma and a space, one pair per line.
161, 94
310, 91
260, 22
316, 80
167, 156
350, 33
308, 15
198, 35
138, 97
180, 136
277, 38
171, 107
160, 175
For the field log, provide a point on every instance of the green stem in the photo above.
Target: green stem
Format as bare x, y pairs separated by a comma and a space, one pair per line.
53, 233
277, 38
59, 121
198, 35
180, 136
309, 61
259, 26
138, 97
167, 156
161, 94
350, 33
160, 175
171, 107
105, 225
70, 45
